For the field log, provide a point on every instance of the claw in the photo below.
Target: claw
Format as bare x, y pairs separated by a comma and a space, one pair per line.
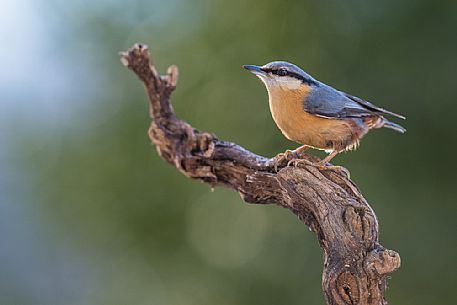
292, 156
320, 165
288, 155
324, 167
297, 162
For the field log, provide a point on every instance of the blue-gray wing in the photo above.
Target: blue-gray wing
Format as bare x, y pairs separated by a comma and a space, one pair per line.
328, 102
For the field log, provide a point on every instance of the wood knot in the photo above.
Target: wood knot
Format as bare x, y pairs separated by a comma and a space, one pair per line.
347, 288
383, 261
205, 144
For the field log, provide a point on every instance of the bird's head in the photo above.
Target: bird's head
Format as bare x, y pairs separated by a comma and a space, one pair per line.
282, 75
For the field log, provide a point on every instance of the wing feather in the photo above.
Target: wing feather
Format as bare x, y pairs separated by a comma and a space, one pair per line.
325, 101
372, 107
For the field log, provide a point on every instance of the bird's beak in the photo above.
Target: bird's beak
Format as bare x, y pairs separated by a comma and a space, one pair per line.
255, 69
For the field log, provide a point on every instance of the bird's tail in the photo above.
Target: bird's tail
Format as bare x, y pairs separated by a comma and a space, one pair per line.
388, 124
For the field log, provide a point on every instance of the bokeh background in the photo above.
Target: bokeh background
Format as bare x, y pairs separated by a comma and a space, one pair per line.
89, 214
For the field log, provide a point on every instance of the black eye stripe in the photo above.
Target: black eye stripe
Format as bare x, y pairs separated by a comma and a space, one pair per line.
291, 74
277, 71
282, 72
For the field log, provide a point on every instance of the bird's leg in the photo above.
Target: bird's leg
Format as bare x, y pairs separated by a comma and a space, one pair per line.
328, 158
323, 164
300, 150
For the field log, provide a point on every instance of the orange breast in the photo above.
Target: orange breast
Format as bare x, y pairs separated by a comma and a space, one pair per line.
297, 125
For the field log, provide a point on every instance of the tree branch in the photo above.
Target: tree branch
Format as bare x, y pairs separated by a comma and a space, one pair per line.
326, 200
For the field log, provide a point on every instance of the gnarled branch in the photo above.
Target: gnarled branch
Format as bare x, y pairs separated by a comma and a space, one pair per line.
326, 200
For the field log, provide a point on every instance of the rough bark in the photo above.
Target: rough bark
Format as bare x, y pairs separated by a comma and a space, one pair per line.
326, 200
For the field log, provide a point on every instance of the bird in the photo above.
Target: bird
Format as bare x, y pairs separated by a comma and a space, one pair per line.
317, 115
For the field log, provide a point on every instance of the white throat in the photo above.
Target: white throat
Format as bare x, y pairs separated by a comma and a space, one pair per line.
283, 82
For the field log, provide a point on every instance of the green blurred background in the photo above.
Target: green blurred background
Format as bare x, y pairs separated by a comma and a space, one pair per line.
89, 214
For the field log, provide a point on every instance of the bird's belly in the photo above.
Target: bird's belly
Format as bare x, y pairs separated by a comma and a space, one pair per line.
308, 129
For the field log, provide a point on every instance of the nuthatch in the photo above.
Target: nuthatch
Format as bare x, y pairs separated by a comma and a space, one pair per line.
316, 115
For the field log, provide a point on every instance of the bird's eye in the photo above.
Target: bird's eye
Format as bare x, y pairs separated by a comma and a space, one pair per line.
282, 72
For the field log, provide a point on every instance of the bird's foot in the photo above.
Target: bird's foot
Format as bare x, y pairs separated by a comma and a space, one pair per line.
296, 162
295, 158
323, 166
281, 158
